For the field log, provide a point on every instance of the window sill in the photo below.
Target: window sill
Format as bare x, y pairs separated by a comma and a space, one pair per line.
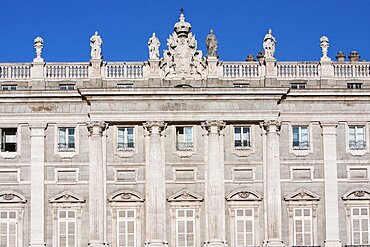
67, 154
125, 153
243, 151
8, 155
185, 153
357, 152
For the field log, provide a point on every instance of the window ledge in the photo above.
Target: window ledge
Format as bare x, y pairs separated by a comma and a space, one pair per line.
300, 152
243, 151
357, 152
184, 153
125, 153
67, 155
8, 155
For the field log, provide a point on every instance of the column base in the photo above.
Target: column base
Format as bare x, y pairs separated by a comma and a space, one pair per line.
37, 245
332, 243
215, 243
97, 244
156, 243
273, 242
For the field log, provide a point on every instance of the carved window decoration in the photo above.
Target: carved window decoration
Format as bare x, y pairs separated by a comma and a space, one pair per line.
300, 138
66, 140
244, 206
127, 211
125, 139
357, 207
356, 138
242, 137
302, 212
67, 209
184, 138
11, 218
185, 212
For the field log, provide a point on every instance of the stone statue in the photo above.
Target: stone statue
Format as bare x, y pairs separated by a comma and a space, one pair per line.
96, 43
212, 45
38, 45
269, 43
153, 45
324, 44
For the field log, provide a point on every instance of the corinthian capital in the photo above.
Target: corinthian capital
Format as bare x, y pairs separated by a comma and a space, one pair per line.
155, 127
213, 127
96, 127
271, 125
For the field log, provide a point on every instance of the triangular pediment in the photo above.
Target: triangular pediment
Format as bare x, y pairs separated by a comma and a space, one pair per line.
243, 195
11, 197
357, 194
126, 196
302, 195
67, 196
185, 195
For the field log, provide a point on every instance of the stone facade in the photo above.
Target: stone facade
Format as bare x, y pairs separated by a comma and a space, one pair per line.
184, 150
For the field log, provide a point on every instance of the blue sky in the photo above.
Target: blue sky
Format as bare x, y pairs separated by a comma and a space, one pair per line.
126, 25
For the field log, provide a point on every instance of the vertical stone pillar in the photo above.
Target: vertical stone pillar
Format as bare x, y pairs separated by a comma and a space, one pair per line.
215, 185
272, 184
331, 185
37, 186
96, 183
155, 189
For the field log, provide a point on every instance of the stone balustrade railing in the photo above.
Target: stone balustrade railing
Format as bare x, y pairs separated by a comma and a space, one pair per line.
227, 70
15, 71
298, 69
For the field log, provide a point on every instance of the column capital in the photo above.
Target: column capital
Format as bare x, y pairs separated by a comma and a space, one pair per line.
213, 126
96, 127
155, 127
271, 125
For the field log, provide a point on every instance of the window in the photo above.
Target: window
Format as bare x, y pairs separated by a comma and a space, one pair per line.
125, 139
66, 142
240, 85
8, 139
302, 227
298, 85
185, 227
242, 137
67, 228
300, 138
9, 87
125, 85
184, 138
244, 226
126, 228
354, 85
67, 87
356, 138
360, 225
8, 228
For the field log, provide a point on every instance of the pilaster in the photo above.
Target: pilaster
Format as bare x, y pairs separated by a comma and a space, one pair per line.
37, 185
215, 185
155, 189
96, 183
272, 184
331, 184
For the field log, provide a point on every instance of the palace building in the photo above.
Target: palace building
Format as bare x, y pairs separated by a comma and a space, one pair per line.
185, 149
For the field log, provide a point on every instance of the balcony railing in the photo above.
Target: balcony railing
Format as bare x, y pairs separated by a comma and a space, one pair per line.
240, 69
9, 147
301, 145
184, 146
129, 146
66, 147
357, 145
246, 144
357, 245
15, 71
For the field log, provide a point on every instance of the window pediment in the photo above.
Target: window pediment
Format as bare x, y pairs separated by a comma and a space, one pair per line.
357, 194
11, 197
126, 196
185, 195
67, 196
243, 195
302, 195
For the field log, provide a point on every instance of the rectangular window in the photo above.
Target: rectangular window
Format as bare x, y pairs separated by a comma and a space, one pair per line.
8, 228
125, 85
360, 225
185, 227
244, 225
356, 138
8, 140
240, 85
302, 219
126, 228
125, 139
298, 85
9, 87
67, 87
300, 138
242, 137
66, 142
184, 138
67, 228
354, 85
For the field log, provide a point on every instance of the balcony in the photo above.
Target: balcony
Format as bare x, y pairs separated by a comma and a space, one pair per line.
357, 245
240, 145
301, 145
357, 145
184, 146
9, 147
66, 147
125, 147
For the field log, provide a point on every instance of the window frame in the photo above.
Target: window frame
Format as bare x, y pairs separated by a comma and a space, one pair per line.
126, 220
366, 147
185, 220
298, 85
129, 152
125, 136
67, 154
244, 218
67, 87
9, 221
185, 152
300, 152
67, 140
357, 134
249, 136
302, 218
187, 145
354, 85
67, 220
366, 217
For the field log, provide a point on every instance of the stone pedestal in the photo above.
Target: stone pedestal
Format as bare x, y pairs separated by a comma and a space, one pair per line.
215, 191
212, 66
272, 184
331, 185
37, 75
37, 186
95, 68
155, 189
154, 68
96, 184
271, 69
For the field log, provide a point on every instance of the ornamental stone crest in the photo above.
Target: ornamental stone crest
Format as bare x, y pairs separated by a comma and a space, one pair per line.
182, 59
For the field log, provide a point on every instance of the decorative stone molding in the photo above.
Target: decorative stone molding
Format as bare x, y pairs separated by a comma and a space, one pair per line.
357, 194
185, 196
11, 197
126, 196
362, 151
243, 195
302, 195
67, 197
127, 153
96, 127
12, 155
155, 127
301, 152
67, 154
268, 125
214, 126
243, 151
